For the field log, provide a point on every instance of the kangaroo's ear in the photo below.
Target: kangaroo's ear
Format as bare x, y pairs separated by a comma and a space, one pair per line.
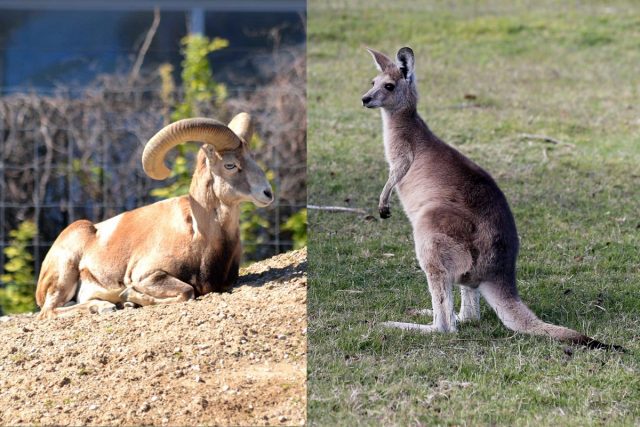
382, 61
405, 61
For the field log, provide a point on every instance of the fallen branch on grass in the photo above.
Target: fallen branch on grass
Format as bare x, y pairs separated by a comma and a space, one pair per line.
510, 337
337, 209
545, 138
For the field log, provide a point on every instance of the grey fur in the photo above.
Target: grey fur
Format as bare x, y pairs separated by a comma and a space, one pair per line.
463, 228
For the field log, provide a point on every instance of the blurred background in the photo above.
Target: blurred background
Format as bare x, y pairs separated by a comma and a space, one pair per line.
85, 83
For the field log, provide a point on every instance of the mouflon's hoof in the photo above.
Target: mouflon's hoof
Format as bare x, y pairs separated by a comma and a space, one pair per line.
124, 295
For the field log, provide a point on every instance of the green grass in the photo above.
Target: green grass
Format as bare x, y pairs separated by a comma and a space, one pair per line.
533, 67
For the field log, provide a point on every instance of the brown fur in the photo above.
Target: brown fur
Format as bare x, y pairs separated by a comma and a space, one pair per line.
170, 251
463, 228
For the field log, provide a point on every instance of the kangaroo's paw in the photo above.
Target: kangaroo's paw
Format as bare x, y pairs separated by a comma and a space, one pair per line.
384, 212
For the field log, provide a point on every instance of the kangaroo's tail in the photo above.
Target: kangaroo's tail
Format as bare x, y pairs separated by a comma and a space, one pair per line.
518, 317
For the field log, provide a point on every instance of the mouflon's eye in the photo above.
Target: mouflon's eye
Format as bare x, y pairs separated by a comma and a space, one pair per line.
389, 87
229, 166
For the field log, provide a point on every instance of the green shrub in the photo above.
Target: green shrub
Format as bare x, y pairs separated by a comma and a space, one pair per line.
297, 226
17, 296
200, 88
201, 91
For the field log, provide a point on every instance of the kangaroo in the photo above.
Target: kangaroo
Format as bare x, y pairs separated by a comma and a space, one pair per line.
463, 228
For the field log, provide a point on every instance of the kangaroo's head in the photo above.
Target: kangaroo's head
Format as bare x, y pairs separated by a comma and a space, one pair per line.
394, 88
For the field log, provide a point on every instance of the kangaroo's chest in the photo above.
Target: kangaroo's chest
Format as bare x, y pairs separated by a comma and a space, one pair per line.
388, 137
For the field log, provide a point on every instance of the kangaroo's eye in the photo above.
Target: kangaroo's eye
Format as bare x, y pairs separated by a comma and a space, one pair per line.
229, 166
372, 82
389, 87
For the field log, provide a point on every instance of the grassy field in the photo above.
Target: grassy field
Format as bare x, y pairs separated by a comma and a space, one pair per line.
487, 72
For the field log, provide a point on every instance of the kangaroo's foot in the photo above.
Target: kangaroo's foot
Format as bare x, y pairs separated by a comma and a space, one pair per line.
427, 312
425, 329
419, 312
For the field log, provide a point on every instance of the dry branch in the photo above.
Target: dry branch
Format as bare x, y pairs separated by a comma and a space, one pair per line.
545, 138
135, 71
337, 209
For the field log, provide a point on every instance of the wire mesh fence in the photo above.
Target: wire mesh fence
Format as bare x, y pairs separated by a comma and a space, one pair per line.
69, 155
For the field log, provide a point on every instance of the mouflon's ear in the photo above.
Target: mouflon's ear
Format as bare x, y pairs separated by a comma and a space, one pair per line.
382, 61
405, 61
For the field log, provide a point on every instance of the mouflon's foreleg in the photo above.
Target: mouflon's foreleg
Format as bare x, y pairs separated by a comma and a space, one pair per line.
158, 288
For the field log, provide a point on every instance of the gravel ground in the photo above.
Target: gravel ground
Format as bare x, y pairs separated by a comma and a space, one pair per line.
236, 358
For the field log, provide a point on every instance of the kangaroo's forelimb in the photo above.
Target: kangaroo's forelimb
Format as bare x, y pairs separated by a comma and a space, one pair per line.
397, 171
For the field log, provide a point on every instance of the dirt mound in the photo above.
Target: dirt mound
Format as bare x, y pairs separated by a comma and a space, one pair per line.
236, 358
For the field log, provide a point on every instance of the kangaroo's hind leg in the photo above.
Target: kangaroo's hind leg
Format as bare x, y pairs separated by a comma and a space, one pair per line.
469, 305
442, 259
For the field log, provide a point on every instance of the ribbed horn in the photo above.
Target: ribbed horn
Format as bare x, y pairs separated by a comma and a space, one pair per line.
242, 126
207, 131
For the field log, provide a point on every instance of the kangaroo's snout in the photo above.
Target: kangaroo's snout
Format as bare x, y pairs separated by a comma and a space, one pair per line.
366, 100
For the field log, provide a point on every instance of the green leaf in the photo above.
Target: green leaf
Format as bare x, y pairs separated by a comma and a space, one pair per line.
18, 294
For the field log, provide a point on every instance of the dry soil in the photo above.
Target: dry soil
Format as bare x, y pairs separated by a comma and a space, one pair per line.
235, 358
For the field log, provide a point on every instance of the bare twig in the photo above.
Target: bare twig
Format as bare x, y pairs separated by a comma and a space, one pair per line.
337, 209
46, 173
545, 138
145, 45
